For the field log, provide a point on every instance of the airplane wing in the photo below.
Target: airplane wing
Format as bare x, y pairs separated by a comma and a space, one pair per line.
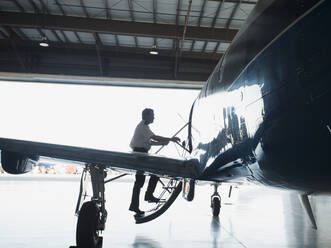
134, 161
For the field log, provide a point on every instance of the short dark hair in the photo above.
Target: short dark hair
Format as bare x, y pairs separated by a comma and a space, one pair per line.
146, 112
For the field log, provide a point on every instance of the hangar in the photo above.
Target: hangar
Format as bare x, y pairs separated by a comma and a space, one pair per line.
257, 131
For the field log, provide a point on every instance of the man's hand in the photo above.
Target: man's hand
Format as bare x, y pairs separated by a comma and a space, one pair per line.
175, 139
160, 143
159, 140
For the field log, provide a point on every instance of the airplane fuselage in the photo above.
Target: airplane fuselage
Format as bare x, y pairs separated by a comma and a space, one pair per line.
264, 113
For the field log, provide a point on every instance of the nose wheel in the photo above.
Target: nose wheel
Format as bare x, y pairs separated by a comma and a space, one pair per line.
215, 202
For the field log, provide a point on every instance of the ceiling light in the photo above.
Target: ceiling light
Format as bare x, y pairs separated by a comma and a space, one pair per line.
43, 42
154, 51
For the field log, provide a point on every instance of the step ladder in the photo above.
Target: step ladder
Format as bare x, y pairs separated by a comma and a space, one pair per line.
162, 206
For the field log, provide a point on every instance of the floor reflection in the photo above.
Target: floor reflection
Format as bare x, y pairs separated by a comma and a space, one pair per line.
215, 229
39, 213
144, 242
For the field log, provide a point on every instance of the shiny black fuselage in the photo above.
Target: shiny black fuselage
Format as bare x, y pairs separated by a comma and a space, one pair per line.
265, 113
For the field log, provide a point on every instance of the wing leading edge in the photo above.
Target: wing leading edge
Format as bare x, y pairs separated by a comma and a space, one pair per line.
135, 161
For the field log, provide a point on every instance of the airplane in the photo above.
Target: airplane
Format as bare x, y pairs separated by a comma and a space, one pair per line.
263, 116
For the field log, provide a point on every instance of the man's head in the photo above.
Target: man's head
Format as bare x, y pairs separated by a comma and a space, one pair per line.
148, 115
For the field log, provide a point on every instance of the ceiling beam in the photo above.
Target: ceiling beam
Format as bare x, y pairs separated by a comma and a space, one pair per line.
236, 1
131, 9
202, 11
84, 8
19, 6
216, 47
56, 35
142, 10
117, 41
65, 36
204, 47
175, 43
154, 17
98, 45
78, 38
12, 33
60, 7
106, 48
235, 8
100, 81
132, 19
219, 7
98, 41
44, 7
108, 16
179, 4
34, 6
114, 27
136, 41
116, 64
20, 32
42, 34
154, 10
181, 41
3, 34
116, 61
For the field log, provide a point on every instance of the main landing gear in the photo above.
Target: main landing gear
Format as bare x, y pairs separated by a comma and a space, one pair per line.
215, 201
89, 219
92, 215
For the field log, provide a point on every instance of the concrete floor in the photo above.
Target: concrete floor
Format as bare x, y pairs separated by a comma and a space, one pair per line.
39, 212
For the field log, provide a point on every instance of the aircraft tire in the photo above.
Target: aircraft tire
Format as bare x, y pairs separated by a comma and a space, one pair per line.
216, 206
86, 233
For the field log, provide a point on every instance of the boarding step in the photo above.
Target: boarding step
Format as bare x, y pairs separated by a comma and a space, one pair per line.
160, 208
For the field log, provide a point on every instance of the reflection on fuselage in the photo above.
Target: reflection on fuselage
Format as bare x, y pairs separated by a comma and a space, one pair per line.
222, 120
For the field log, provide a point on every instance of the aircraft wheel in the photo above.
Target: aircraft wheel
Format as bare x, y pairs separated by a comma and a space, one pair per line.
87, 235
216, 206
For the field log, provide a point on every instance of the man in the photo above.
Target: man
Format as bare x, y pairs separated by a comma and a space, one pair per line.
142, 141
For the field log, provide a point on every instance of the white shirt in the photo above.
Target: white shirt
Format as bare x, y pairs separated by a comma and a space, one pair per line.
142, 136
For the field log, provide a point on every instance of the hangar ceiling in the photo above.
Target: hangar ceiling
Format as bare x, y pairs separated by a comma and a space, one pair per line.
116, 38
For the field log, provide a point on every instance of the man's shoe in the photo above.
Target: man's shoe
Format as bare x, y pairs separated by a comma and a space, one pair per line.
151, 198
137, 210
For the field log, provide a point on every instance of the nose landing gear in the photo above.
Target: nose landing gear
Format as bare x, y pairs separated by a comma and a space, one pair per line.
215, 202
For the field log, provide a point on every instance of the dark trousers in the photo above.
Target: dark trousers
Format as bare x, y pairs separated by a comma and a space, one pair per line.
139, 183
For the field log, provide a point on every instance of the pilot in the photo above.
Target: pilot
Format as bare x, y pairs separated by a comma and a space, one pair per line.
142, 141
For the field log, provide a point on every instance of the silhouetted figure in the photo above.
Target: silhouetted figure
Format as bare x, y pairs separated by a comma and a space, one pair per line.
142, 141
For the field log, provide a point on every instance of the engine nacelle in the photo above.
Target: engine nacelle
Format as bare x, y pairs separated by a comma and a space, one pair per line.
17, 163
